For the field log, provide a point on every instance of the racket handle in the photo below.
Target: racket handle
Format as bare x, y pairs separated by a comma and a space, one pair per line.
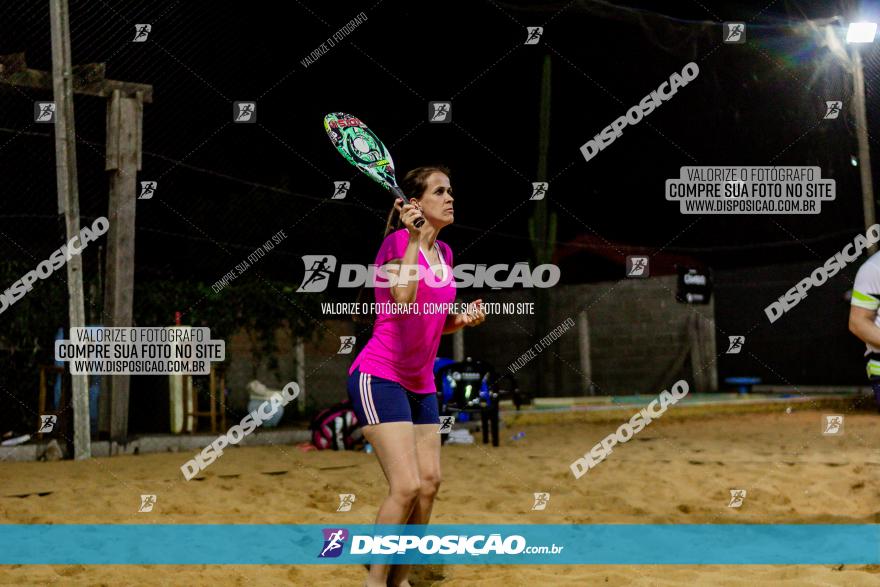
399, 194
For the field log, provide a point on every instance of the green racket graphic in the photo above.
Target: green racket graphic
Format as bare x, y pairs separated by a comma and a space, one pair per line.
362, 148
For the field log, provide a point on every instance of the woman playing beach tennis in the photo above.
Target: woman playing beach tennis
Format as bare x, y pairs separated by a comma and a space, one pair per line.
391, 382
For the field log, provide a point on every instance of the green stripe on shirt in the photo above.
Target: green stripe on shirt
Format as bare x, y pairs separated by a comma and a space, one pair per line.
864, 300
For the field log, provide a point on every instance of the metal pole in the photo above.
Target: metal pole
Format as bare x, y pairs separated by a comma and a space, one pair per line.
864, 149
541, 232
65, 161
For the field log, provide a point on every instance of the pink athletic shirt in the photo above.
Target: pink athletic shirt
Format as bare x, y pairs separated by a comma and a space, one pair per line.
403, 346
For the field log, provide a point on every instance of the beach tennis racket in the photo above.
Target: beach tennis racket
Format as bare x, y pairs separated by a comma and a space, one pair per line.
362, 148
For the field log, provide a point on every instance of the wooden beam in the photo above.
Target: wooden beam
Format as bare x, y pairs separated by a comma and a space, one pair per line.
12, 63
88, 79
90, 73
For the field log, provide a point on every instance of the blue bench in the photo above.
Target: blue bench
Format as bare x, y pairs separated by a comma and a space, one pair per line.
743, 384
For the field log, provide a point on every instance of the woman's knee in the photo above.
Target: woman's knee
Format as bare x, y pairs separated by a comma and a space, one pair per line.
406, 491
429, 484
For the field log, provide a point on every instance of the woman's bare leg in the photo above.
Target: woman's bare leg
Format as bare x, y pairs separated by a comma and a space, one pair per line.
394, 445
428, 454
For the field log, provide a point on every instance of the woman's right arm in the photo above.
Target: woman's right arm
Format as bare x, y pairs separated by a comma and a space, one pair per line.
861, 323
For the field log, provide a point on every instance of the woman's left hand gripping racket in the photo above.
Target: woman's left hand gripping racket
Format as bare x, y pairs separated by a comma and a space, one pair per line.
363, 149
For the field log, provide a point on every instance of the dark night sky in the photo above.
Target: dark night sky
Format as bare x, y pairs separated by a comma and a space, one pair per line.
226, 188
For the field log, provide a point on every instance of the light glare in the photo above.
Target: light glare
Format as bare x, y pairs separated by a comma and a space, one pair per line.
861, 32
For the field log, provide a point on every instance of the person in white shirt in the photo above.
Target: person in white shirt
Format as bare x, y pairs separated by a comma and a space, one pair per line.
864, 320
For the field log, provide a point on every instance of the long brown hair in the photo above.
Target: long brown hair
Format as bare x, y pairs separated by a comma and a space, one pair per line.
414, 184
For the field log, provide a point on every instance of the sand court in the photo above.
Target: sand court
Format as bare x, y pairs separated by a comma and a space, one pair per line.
678, 471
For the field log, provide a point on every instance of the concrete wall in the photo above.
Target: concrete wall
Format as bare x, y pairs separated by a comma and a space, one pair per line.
637, 333
326, 372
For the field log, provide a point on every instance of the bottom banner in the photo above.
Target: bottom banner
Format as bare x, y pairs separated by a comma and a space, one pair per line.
519, 544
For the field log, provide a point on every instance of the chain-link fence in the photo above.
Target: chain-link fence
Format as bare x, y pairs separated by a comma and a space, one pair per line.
224, 188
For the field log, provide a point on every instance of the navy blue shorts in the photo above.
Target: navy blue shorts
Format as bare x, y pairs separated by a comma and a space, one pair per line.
379, 401
875, 383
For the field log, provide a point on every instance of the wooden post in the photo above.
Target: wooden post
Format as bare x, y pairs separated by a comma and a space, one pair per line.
458, 345
704, 370
65, 161
300, 352
212, 391
85, 80
124, 119
584, 351
707, 337
696, 350
42, 405
222, 391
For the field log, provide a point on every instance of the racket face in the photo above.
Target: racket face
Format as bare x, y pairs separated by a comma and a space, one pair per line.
361, 147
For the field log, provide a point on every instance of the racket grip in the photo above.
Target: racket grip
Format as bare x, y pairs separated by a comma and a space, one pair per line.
398, 193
